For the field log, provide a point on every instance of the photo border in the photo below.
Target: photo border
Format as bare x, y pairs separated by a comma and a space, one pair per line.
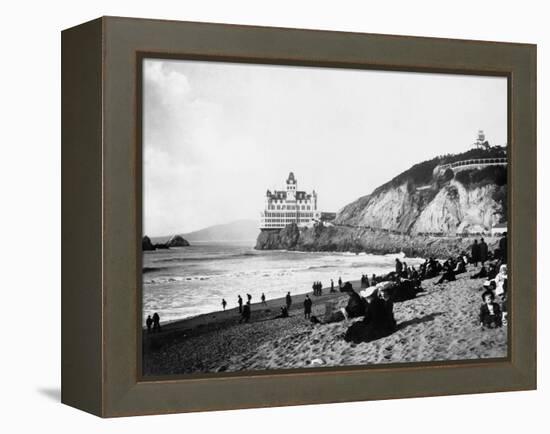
141, 56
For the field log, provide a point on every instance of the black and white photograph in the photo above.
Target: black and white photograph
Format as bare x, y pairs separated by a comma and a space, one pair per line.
299, 217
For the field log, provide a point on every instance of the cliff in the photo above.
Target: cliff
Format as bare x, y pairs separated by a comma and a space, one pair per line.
348, 239
428, 210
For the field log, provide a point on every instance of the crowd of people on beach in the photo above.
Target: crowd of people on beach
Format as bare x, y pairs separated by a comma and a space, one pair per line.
374, 301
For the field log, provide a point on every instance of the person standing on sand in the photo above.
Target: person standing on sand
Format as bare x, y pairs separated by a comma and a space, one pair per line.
475, 253
149, 323
307, 307
224, 303
156, 322
240, 301
288, 299
263, 298
340, 282
332, 286
483, 251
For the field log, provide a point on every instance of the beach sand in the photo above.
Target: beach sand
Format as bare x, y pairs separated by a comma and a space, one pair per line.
439, 324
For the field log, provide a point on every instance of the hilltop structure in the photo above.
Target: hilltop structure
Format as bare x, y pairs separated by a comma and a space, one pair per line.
283, 207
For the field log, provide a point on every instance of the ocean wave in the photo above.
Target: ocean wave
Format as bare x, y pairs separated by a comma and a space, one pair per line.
173, 279
213, 257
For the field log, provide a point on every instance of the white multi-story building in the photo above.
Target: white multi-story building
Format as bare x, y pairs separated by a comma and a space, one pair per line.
283, 207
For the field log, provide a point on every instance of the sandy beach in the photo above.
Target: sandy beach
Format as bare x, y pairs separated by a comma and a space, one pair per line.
441, 323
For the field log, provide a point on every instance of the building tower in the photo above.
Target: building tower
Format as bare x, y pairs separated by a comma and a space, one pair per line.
291, 184
480, 142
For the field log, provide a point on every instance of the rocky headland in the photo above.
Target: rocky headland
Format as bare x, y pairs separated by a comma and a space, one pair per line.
435, 208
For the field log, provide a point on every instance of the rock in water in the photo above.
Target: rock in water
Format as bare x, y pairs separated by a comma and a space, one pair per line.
146, 244
178, 241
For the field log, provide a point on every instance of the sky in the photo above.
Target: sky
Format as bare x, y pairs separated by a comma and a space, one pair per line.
217, 135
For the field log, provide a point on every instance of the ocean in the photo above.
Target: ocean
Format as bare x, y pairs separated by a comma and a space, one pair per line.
188, 281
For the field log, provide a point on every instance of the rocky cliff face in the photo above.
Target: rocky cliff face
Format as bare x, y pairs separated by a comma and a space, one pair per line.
406, 213
348, 239
445, 208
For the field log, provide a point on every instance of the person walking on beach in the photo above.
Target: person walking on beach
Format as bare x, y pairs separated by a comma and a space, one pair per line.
483, 251
332, 286
340, 283
245, 316
224, 303
263, 298
156, 322
288, 299
149, 323
240, 301
307, 307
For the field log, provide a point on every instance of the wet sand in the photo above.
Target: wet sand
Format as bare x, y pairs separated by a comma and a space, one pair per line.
439, 324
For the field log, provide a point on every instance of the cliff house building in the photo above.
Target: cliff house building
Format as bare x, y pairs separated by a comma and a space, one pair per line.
283, 207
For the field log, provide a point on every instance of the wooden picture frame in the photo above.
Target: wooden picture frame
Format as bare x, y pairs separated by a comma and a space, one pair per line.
101, 218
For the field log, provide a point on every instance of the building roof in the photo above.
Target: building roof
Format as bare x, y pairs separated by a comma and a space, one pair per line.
280, 194
500, 226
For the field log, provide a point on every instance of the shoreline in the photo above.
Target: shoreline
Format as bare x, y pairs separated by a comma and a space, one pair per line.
439, 324
256, 307
374, 264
